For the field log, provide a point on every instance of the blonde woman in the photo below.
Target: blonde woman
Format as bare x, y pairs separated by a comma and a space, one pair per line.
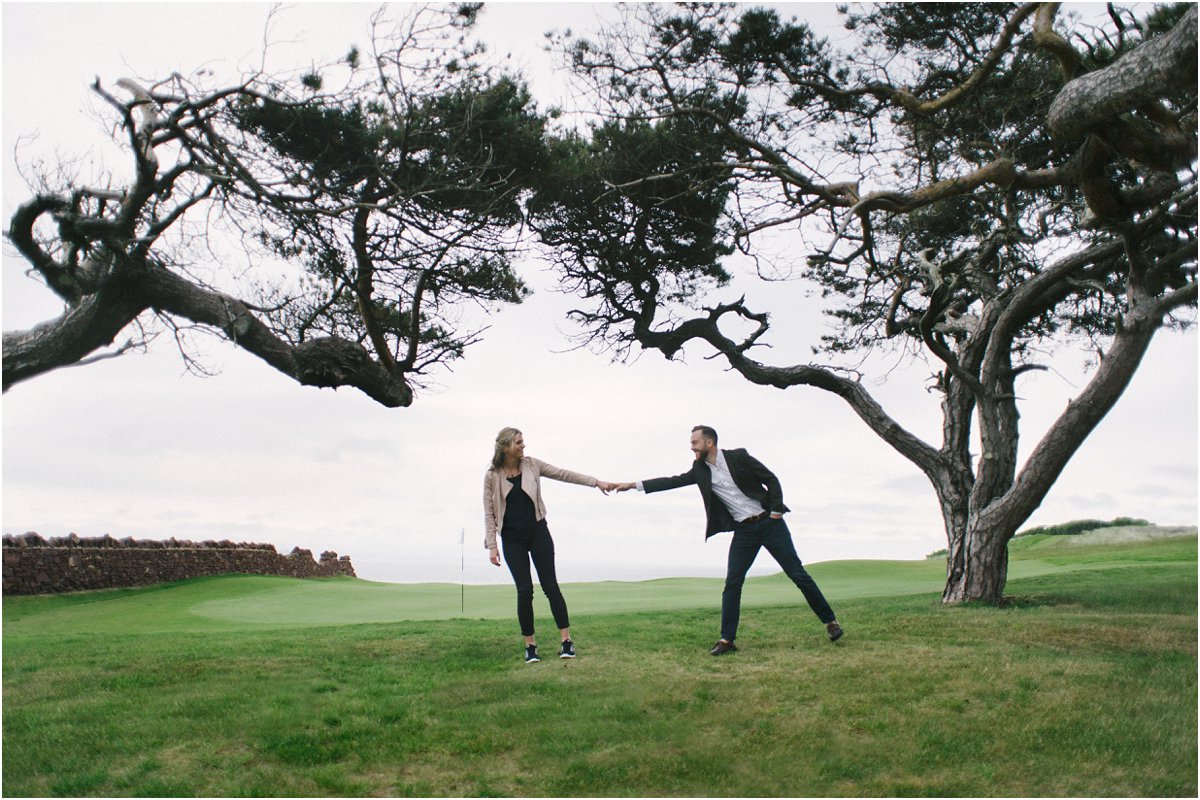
513, 508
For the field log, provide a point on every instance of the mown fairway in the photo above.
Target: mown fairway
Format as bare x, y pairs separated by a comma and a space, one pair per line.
1085, 685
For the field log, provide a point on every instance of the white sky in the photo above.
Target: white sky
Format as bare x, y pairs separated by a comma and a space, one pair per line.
136, 447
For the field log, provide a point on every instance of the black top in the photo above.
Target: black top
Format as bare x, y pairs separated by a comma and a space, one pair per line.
519, 514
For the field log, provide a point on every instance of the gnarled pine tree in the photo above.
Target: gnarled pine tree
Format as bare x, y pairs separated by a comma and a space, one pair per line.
971, 181
390, 203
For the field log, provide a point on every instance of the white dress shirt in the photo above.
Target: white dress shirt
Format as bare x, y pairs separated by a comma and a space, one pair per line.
740, 506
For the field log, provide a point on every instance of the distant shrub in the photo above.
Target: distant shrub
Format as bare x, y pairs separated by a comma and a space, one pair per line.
1082, 526
1067, 529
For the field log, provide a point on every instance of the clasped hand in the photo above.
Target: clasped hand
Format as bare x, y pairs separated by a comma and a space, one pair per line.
606, 486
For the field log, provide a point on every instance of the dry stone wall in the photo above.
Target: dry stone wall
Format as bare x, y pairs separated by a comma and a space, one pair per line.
34, 565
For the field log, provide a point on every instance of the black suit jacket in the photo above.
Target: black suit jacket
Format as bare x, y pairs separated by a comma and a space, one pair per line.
750, 475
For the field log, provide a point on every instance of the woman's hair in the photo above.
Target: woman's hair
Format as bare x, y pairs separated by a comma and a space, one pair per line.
504, 440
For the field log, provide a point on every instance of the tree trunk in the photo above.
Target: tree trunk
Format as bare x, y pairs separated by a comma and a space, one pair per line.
92, 324
977, 557
977, 566
979, 528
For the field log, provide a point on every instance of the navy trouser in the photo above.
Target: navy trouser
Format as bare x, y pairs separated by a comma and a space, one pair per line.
519, 548
748, 539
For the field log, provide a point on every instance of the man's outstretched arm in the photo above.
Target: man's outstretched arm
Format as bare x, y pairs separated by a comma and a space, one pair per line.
652, 485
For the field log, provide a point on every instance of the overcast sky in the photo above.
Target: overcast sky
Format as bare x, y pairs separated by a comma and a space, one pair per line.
137, 447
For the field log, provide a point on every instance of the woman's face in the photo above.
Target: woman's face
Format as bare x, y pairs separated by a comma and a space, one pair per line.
516, 450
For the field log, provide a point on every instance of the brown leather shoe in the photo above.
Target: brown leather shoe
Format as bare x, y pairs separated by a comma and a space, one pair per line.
834, 630
722, 647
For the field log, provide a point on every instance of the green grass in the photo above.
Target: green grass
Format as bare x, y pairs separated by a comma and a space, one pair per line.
1084, 685
231, 603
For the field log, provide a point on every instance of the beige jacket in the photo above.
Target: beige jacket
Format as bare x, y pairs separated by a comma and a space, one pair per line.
496, 489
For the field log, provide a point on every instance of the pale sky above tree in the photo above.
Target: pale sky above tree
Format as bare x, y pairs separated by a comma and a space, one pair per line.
135, 447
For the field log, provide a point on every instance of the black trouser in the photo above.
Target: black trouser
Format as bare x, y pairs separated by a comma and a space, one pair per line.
519, 548
748, 539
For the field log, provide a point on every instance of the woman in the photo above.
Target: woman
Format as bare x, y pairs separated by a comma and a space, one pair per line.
512, 506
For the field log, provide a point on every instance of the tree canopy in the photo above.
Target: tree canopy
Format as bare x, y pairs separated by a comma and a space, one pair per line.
971, 183
392, 202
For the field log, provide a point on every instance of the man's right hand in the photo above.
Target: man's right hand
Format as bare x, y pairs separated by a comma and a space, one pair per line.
494, 556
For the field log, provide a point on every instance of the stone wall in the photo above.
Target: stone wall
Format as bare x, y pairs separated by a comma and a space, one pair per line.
34, 565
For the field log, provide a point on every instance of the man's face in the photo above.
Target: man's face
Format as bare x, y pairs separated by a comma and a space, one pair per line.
701, 446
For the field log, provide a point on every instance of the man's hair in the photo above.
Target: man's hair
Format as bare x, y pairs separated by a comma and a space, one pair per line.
706, 432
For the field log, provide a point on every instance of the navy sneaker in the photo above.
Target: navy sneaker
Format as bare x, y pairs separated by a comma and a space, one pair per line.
834, 630
568, 649
531, 653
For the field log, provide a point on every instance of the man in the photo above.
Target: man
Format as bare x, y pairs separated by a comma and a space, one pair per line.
743, 496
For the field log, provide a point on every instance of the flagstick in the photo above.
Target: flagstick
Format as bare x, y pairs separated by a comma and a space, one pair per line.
462, 567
